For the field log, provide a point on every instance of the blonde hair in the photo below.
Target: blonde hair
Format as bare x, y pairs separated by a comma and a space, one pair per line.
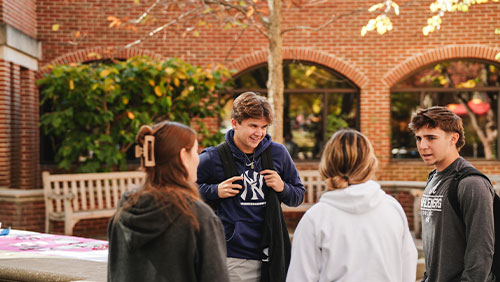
348, 159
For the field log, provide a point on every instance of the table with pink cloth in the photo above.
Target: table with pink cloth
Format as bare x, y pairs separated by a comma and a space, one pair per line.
33, 256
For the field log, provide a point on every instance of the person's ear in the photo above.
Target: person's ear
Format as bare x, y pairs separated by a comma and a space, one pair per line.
184, 155
234, 122
454, 138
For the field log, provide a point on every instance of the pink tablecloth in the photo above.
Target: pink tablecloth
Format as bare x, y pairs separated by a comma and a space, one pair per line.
21, 243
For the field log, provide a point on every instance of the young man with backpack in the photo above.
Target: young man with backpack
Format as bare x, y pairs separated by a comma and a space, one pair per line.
458, 229
245, 179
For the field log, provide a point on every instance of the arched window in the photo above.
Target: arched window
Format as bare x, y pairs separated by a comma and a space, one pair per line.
470, 88
317, 102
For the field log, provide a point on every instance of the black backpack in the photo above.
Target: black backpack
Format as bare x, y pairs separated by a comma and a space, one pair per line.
275, 267
453, 199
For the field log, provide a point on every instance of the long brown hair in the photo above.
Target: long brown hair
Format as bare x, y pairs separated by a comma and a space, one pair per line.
348, 159
167, 181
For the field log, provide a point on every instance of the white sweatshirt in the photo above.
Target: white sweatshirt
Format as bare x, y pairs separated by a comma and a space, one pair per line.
357, 234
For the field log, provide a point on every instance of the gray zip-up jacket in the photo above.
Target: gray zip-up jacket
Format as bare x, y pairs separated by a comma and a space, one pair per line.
457, 250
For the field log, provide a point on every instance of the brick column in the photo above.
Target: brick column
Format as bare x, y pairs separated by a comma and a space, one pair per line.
29, 136
5, 128
15, 126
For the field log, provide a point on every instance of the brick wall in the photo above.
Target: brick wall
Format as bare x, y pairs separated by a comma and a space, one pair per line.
374, 62
19, 14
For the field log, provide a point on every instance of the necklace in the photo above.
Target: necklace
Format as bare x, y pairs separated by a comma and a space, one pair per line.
250, 163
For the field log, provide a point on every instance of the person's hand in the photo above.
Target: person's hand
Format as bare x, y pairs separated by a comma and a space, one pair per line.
228, 189
273, 180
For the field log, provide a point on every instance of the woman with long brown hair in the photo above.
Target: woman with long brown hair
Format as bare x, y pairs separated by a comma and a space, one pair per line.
356, 232
163, 231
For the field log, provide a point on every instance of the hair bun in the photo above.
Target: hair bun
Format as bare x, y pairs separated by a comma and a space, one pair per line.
338, 182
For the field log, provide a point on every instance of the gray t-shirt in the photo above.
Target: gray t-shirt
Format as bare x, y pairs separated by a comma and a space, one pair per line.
457, 250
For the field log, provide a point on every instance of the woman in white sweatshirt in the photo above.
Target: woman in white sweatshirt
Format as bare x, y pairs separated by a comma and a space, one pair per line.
356, 232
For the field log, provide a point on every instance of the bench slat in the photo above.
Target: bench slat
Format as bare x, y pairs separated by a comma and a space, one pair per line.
74, 190
107, 193
100, 204
83, 195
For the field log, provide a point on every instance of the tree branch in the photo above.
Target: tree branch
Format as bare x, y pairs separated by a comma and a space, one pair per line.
158, 29
234, 44
325, 24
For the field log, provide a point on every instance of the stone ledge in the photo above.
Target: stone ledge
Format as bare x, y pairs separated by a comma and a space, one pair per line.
18, 195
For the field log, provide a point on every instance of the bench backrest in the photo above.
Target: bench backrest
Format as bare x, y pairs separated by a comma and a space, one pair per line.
89, 191
314, 188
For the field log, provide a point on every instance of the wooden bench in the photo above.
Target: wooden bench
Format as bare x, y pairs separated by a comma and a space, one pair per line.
72, 197
314, 188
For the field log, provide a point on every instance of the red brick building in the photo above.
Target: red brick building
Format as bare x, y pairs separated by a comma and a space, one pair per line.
380, 71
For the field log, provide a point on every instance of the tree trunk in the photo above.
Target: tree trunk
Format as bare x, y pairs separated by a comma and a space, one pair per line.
275, 66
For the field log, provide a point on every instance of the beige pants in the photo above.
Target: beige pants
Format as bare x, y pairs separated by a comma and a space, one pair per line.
243, 270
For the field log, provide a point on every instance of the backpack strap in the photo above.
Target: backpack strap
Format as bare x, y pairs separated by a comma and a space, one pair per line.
453, 190
431, 175
227, 160
267, 159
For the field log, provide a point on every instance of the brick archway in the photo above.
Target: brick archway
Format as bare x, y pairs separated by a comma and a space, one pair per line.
305, 54
90, 54
417, 61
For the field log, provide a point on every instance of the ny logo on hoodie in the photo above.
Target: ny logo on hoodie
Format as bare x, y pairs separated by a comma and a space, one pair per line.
252, 184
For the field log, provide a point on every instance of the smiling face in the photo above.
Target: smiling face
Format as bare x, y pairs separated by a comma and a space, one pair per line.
437, 147
249, 133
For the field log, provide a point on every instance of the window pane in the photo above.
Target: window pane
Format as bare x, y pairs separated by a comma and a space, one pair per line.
342, 112
296, 75
316, 105
304, 129
477, 109
454, 74
467, 87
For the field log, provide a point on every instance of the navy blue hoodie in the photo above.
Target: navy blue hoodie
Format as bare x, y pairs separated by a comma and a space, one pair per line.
243, 214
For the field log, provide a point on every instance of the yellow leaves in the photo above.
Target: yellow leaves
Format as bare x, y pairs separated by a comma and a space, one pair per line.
55, 27
310, 70
196, 33
184, 93
177, 82
250, 12
181, 75
158, 91
94, 55
71, 84
432, 24
375, 7
169, 71
104, 73
130, 115
497, 57
497, 30
468, 84
125, 101
77, 34
382, 23
151, 82
115, 22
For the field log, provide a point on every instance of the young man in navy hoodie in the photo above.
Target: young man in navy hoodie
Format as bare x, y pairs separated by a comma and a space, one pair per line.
240, 201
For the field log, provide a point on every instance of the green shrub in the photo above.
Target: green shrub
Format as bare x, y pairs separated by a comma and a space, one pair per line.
96, 109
